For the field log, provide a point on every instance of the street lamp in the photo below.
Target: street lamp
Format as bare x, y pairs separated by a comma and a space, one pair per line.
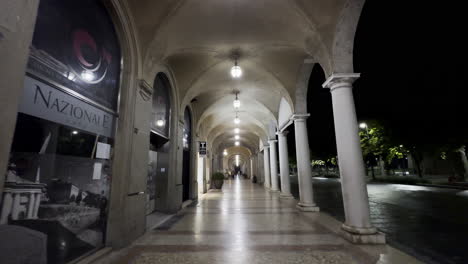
364, 126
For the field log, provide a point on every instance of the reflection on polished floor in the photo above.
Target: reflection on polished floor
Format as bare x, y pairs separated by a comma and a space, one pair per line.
247, 224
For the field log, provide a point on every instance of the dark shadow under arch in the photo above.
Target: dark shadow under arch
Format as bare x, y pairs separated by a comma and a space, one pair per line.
187, 146
321, 128
160, 145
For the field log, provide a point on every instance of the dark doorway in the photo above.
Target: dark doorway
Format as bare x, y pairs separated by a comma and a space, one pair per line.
158, 162
187, 143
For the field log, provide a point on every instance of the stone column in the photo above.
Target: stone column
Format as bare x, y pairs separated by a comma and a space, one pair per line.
273, 166
201, 175
220, 162
215, 163
37, 203
255, 167
207, 175
31, 204
260, 168
304, 170
357, 227
16, 206
7, 205
284, 165
464, 161
266, 167
251, 168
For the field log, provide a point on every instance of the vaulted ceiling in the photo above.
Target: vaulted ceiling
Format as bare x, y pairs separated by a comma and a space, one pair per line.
198, 39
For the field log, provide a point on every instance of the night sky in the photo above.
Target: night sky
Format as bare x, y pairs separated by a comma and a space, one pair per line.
413, 64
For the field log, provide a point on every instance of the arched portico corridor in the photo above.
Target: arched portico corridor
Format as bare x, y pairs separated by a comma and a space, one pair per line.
244, 223
119, 113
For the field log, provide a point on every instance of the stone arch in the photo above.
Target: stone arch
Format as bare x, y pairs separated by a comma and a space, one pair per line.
273, 83
321, 140
170, 192
302, 86
343, 44
120, 231
162, 92
284, 113
148, 76
244, 155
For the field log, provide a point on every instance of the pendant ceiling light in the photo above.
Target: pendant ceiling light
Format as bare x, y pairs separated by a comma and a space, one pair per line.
225, 153
236, 137
236, 71
236, 102
236, 130
236, 120
236, 143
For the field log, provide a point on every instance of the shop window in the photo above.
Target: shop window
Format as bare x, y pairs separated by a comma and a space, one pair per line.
59, 171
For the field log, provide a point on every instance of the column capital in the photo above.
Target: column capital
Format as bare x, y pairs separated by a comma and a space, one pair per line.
339, 80
282, 133
272, 141
266, 146
299, 117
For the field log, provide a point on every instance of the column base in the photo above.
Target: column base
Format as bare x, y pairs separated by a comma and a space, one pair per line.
286, 196
274, 191
369, 236
307, 207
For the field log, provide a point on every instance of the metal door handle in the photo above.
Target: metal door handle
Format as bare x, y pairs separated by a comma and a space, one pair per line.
135, 193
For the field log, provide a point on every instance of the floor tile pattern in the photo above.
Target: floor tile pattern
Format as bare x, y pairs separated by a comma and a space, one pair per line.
247, 224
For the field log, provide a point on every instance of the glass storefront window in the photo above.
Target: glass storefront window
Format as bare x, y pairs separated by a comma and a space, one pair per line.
59, 171
161, 110
61, 185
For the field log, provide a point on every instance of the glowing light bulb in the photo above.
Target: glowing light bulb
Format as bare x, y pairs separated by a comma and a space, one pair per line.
71, 76
237, 143
160, 123
87, 75
236, 71
236, 130
236, 137
236, 103
236, 120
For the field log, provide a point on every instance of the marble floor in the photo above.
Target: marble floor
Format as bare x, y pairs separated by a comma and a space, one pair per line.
247, 224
